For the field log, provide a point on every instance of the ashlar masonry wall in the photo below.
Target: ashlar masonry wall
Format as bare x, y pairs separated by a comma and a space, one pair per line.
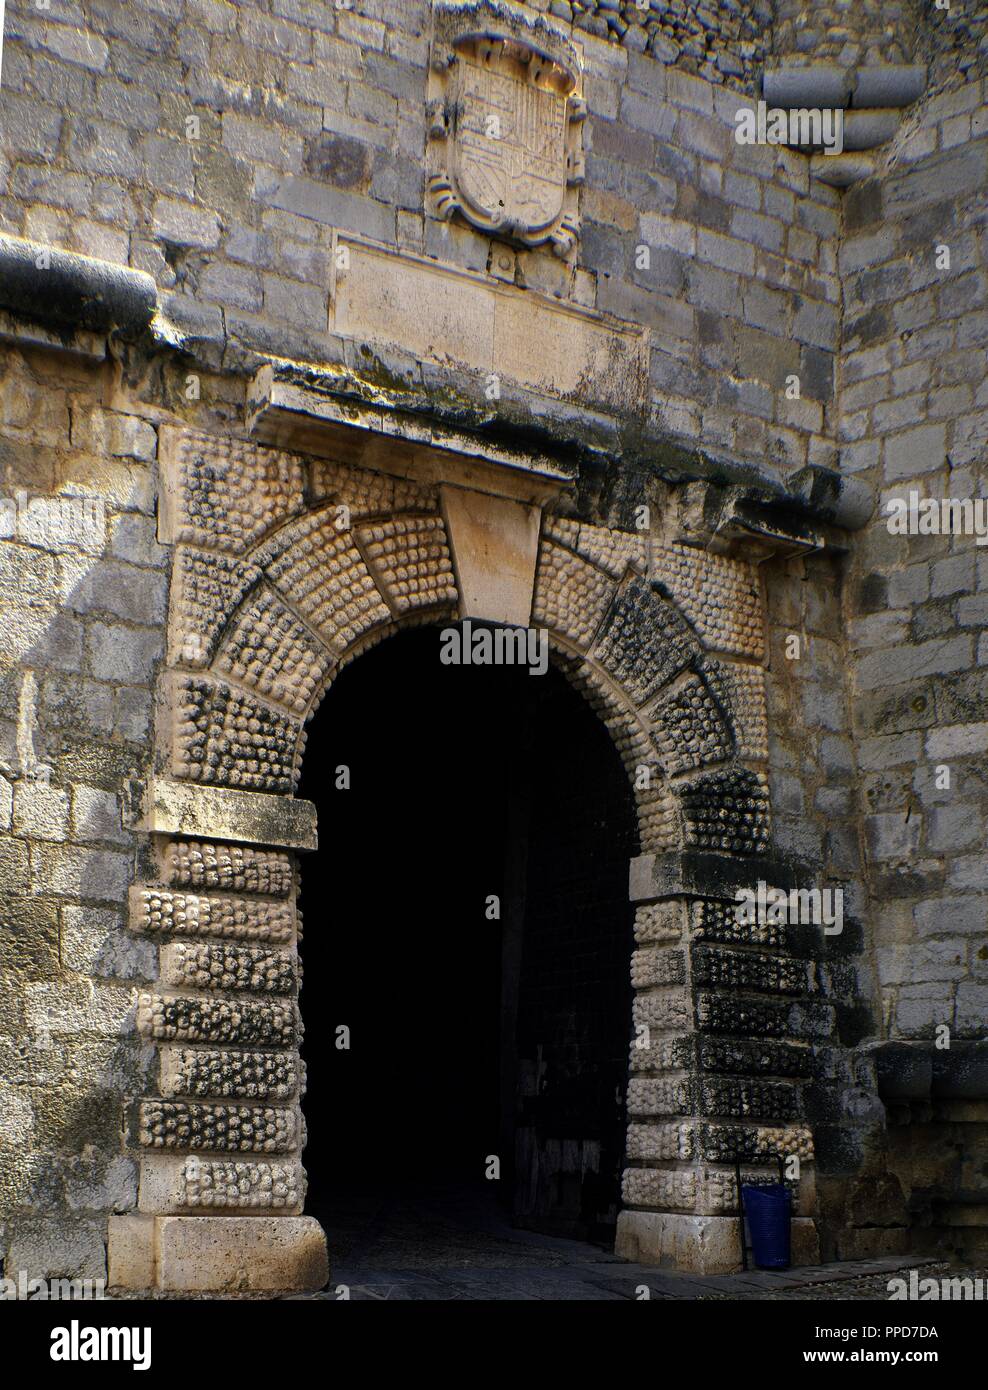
83, 631
914, 421
221, 148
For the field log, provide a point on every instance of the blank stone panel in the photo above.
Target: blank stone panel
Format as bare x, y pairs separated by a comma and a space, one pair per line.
719, 595
228, 494
411, 560
321, 571
268, 649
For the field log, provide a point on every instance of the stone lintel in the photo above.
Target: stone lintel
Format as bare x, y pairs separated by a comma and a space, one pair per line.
303, 416
224, 813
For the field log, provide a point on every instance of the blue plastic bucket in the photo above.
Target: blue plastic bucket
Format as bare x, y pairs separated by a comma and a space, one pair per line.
769, 1212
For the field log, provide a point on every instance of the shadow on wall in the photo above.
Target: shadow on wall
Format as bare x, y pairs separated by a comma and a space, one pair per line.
83, 595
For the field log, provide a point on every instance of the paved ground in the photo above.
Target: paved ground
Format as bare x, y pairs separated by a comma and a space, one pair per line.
461, 1247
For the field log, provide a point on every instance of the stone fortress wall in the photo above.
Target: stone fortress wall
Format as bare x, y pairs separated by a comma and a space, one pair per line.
229, 152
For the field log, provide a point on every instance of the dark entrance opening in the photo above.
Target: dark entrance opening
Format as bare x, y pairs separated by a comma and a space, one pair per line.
469, 1037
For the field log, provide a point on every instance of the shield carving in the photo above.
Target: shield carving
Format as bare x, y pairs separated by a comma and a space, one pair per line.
509, 140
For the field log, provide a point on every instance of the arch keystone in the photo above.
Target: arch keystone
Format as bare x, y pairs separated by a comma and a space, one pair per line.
495, 545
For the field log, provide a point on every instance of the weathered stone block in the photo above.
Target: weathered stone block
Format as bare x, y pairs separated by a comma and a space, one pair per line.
240, 1254
228, 814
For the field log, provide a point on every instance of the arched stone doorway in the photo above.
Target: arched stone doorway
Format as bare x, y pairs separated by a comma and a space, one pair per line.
467, 922
286, 567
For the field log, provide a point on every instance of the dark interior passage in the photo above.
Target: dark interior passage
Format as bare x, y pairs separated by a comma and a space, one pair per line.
468, 1036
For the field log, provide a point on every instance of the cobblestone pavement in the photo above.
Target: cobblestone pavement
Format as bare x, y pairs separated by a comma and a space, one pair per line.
462, 1248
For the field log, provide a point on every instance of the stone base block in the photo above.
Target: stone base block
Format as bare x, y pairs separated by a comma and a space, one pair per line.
698, 1244
218, 1254
130, 1252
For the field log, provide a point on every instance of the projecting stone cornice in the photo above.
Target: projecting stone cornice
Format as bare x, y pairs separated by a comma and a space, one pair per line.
78, 292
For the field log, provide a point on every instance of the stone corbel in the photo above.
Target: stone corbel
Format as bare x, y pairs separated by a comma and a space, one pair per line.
870, 98
816, 509
726, 521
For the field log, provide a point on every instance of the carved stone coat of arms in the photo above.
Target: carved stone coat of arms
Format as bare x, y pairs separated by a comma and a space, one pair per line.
506, 148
